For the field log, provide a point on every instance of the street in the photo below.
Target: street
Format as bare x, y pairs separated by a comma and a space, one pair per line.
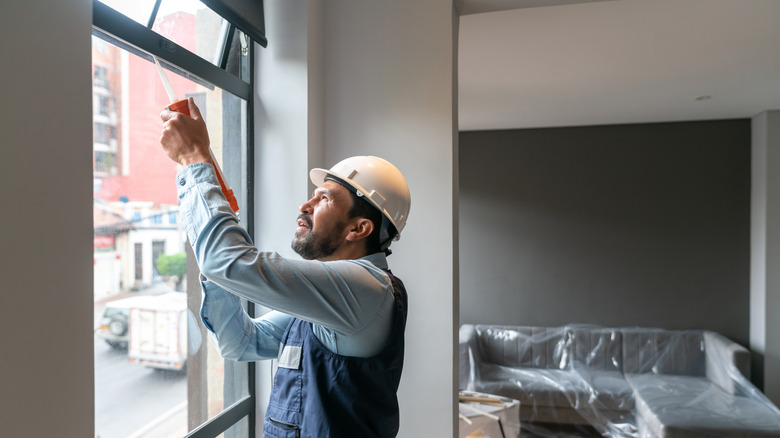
135, 401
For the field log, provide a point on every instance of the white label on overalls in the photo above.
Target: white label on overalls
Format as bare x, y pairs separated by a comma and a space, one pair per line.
290, 357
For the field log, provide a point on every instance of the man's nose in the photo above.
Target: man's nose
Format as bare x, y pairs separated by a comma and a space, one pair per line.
306, 206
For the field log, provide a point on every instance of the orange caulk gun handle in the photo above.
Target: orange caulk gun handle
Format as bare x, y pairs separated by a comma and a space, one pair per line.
181, 106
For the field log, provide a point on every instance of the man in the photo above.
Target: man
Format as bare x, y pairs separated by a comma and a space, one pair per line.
338, 315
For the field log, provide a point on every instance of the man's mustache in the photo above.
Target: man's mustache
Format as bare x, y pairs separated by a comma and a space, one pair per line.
307, 219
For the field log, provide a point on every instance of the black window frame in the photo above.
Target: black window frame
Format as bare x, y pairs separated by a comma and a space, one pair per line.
122, 31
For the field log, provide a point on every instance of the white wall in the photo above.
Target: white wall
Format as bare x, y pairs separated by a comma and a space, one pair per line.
46, 364
287, 118
353, 78
765, 254
390, 91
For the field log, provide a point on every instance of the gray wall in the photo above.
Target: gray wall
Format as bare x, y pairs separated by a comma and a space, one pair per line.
644, 225
390, 91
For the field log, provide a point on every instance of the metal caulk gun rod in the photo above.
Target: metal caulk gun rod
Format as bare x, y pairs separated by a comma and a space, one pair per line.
166, 83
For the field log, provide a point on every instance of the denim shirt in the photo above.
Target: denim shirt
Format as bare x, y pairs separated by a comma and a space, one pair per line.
349, 302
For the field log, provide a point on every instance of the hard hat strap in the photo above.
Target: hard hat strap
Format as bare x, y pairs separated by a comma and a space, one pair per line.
347, 185
384, 236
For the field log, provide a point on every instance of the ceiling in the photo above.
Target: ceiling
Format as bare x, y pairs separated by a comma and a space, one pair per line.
546, 63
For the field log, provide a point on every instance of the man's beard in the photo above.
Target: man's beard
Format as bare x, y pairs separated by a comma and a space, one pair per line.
315, 245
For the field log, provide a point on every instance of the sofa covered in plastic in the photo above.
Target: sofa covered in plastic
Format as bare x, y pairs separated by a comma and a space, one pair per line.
623, 382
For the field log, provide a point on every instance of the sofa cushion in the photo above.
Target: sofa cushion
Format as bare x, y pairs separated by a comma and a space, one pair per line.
663, 352
596, 348
609, 390
528, 347
689, 407
602, 390
532, 386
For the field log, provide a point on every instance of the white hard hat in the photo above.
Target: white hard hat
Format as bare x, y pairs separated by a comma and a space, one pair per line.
376, 179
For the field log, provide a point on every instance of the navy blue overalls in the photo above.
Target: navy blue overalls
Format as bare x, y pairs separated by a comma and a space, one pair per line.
320, 394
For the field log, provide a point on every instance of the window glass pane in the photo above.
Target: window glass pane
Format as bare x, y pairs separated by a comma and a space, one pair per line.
237, 52
190, 24
138, 10
150, 380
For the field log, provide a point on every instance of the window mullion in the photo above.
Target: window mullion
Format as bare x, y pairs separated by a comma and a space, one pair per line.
153, 15
249, 200
222, 421
227, 40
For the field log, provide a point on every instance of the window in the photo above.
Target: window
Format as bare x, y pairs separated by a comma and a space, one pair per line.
176, 19
156, 372
100, 79
105, 163
158, 249
104, 105
104, 133
139, 262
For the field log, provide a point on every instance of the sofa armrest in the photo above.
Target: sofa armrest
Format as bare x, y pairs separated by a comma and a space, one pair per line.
469, 356
727, 362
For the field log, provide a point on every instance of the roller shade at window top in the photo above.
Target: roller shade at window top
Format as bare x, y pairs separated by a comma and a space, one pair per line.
246, 15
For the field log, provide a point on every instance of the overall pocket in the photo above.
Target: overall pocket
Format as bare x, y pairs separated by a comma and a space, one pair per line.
286, 394
280, 429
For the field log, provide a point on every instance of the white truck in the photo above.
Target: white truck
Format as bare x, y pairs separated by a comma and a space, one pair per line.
158, 331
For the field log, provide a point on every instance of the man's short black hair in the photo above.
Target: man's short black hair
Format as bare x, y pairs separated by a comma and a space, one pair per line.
361, 207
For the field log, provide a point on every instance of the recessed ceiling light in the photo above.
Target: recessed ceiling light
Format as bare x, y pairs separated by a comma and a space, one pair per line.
703, 98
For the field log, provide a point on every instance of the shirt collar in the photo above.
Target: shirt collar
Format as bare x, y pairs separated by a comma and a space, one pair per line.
378, 259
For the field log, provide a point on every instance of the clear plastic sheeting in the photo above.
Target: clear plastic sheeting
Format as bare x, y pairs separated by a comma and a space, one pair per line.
618, 382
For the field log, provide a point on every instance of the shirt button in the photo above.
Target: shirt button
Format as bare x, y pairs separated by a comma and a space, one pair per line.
182, 182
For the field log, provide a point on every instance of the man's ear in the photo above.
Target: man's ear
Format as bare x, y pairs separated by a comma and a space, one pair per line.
361, 228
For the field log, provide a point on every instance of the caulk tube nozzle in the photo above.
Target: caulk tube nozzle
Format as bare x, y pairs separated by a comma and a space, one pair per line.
180, 106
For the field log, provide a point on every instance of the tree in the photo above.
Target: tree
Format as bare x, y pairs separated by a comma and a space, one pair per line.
174, 265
